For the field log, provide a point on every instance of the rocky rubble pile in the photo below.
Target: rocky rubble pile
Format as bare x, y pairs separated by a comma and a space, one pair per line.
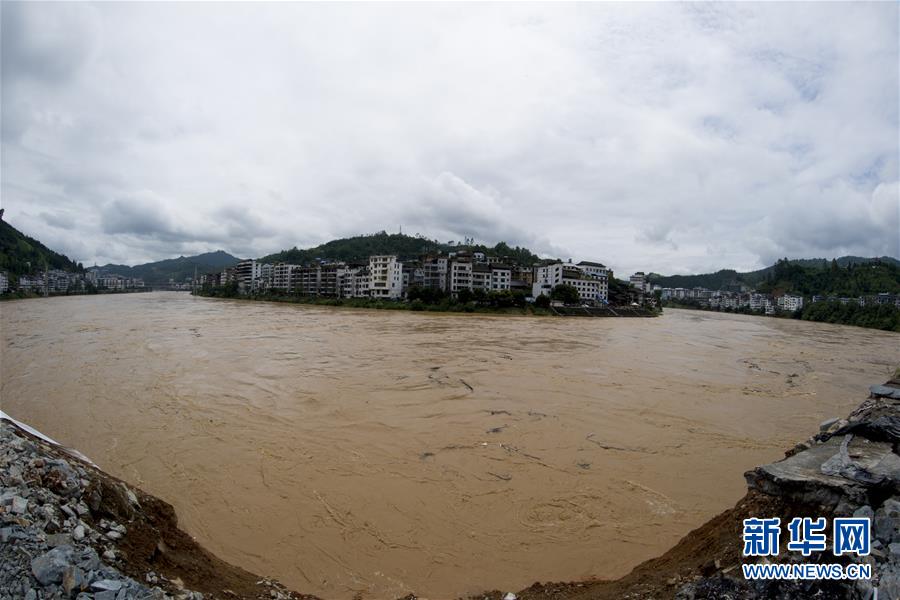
53, 543
850, 468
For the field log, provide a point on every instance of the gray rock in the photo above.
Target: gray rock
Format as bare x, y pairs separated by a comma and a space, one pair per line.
800, 477
78, 533
51, 566
31, 594
891, 507
74, 580
863, 460
889, 584
59, 539
884, 391
106, 584
88, 560
19, 505
894, 548
885, 528
105, 595
827, 423
864, 512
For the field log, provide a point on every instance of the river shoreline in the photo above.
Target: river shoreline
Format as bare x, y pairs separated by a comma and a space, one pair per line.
529, 310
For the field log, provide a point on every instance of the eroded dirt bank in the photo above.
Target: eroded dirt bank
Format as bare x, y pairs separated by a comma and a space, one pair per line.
70, 530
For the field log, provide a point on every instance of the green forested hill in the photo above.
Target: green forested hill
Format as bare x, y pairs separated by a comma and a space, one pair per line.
360, 248
178, 269
21, 254
831, 279
808, 276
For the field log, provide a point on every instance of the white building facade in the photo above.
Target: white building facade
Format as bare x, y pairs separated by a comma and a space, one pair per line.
386, 277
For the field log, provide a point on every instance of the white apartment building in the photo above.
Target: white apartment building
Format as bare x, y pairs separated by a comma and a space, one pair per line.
434, 272
501, 278
281, 276
247, 273
547, 277
354, 282
386, 277
4, 283
359, 282
757, 301
266, 275
481, 277
599, 272
790, 302
460, 276
638, 280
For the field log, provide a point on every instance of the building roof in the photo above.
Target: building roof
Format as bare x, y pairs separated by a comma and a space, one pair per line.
588, 263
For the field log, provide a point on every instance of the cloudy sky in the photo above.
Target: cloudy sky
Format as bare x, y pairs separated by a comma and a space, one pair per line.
676, 138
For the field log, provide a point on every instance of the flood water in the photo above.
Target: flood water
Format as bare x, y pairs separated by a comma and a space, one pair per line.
381, 452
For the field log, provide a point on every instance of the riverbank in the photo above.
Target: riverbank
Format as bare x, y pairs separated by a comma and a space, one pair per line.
445, 306
70, 529
885, 317
28, 295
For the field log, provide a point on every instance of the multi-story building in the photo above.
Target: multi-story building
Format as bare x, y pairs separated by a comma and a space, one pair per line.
638, 280
460, 276
758, 301
434, 272
790, 303
501, 277
281, 276
329, 280
356, 282
247, 273
599, 272
593, 269
4, 283
266, 276
386, 277
305, 281
413, 275
547, 277
481, 277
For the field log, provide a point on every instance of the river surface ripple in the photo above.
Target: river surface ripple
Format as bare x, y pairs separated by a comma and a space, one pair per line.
382, 452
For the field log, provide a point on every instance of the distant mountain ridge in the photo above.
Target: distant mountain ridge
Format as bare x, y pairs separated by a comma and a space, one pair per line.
22, 255
811, 275
177, 269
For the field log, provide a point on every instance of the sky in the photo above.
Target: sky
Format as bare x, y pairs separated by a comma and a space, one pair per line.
675, 138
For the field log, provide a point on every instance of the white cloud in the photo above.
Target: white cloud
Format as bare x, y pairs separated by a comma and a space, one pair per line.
674, 137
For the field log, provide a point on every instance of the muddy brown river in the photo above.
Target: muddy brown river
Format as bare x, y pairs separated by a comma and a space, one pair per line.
379, 452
